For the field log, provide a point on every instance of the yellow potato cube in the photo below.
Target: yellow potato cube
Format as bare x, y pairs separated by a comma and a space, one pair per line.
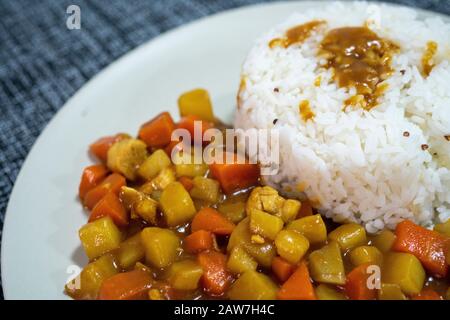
265, 224
253, 285
240, 261
185, 275
291, 245
99, 237
348, 235
326, 264
390, 291
162, 246
312, 227
443, 228
366, 254
176, 204
241, 236
87, 284
163, 179
405, 270
154, 164
384, 240
130, 251
290, 210
205, 189
196, 103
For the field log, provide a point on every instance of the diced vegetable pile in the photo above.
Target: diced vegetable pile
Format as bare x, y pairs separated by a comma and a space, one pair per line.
159, 230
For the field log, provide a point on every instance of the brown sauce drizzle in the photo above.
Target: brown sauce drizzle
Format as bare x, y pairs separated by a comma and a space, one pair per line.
297, 34
360, 59
305, 110
427, 58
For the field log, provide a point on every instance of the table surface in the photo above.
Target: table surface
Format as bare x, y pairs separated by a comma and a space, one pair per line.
42, 63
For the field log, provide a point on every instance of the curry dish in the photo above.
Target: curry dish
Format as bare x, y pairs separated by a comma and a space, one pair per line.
159, 230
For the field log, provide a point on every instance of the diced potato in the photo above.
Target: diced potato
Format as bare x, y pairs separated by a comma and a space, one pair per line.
291, 245
443, 228
240, 261
154, 164
87, 284
162, 246
176, 204
163, 179
405, 270
326, 264
186, 166
384, 240
290, 210
233, 208
366, 254
205, 189
146, 208
196, 103
348, 235
390, 291
265, 224
130, 251
125, 156
99, 237
325, 292
253, 285
312, 227
185, 275
241, 235
262, 253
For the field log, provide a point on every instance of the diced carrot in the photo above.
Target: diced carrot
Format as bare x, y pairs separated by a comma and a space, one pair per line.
428, 246
157, 132
111, 206
298, 286
189, 122
282, 268
212, 220
100, 147
91, 177
112, 183
198, 241
216, 279
427, 294
132, 285
305, 210
357, 286
187, 183
235, 176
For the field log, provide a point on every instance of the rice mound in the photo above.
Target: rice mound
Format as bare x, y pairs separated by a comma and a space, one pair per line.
375, 167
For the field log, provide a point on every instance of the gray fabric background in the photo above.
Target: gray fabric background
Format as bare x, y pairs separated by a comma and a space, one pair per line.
42, 63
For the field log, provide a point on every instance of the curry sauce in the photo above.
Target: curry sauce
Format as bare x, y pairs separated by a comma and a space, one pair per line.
360, 59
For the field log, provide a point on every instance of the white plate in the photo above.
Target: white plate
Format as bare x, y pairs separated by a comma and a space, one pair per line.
40, 238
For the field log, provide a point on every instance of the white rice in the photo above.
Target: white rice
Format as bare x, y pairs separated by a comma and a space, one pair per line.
357, 165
